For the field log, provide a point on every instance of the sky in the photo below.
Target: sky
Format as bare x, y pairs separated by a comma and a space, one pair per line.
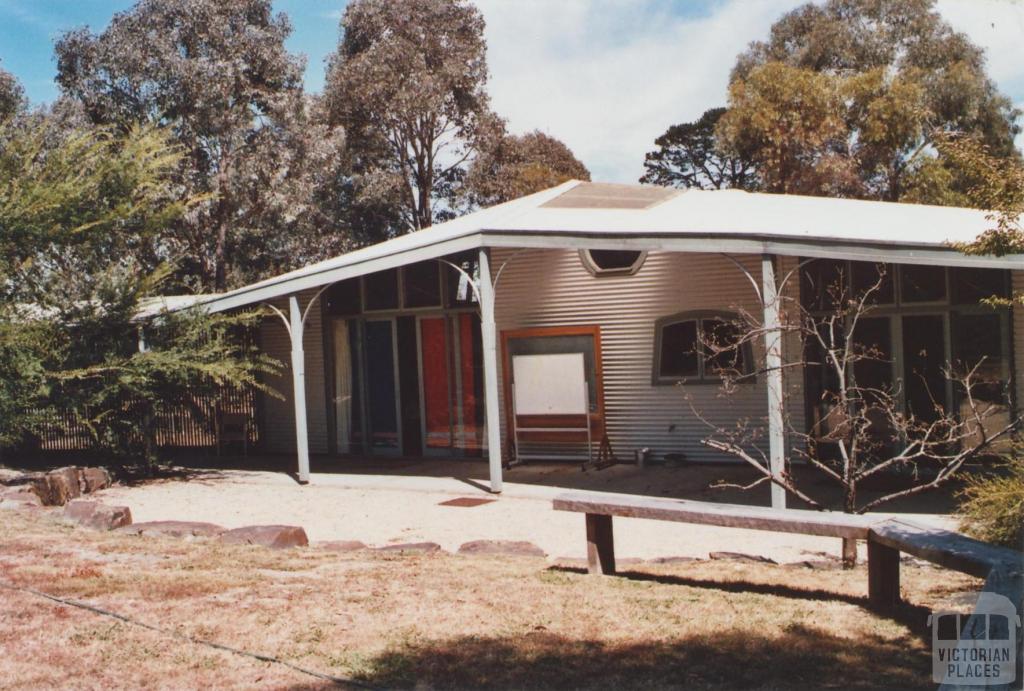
605, 76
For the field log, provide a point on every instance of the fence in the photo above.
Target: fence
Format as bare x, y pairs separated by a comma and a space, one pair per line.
180, 426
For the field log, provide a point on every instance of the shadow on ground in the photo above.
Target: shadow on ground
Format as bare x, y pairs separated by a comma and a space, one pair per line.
801, 658
702, 482
698, 481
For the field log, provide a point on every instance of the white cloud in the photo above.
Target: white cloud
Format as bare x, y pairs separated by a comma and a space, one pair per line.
609, 76
998, 27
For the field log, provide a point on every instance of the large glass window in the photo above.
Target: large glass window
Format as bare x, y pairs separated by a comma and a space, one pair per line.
421, 285
343, 298
698, 347
381, 290
922, 320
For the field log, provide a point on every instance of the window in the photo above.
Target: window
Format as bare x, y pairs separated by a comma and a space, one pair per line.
922, 283
381, 290
611, 262
921, 320
421, 285
698, 347
343, 298
459, 292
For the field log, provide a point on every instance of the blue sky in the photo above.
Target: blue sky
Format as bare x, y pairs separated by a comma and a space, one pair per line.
605, 76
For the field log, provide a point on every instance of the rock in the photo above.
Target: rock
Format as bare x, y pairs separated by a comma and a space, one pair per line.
93, 479
411, 548
816, 564
60, 486
569, 563
673, 560
517, 548
174, 529
26, 494
95, 515
272, 536
342, 545
739, 556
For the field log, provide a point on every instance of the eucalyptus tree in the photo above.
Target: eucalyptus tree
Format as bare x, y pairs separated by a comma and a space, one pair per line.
12, 96
408, 84
217, 74
902, 75
519, 165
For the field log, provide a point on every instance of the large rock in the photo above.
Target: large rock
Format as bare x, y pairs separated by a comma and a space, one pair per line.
26, 494
272, 536
517, 548
184, 529
739, 556
95, 515
411, 548
93, 479
60, 486
341, 545
20, 497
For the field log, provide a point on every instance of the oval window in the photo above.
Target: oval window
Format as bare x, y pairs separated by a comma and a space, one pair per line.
602, 262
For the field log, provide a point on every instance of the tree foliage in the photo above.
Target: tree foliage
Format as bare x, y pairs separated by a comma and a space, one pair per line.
848, 98
996, 184
217, 74
12, 96
690, 155
520, 165
901, 72
408, 84
992, 506
791, 121
83, 213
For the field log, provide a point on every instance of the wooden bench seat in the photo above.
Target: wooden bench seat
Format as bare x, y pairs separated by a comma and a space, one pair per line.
886, 538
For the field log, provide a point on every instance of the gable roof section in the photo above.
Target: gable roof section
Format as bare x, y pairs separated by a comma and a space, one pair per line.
605, 216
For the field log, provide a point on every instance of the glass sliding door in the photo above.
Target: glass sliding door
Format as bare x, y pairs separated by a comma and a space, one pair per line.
435, 360
348, 407
381, 386
469, 373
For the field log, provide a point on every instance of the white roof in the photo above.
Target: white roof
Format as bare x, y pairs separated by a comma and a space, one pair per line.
603, 216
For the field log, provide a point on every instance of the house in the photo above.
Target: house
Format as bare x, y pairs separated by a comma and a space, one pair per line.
405, 348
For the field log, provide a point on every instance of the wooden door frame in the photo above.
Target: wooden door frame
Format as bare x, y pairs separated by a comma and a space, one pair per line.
597, 417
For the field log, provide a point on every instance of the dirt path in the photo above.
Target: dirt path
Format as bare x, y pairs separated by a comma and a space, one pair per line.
380, 510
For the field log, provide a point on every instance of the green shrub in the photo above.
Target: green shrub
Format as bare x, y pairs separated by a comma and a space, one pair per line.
992, 507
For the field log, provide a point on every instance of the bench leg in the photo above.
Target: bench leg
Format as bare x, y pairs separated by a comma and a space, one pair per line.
600, 545
849, 552
883, 576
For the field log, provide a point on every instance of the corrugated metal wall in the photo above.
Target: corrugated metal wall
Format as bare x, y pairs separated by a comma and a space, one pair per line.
543, 288
279, 415
552, 288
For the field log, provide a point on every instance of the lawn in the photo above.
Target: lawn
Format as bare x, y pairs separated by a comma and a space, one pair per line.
437, 620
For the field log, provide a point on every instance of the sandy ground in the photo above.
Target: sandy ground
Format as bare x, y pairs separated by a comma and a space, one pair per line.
387, 509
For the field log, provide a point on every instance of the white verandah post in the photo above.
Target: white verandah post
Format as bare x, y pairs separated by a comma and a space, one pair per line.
773, 377
299, 387
489, 337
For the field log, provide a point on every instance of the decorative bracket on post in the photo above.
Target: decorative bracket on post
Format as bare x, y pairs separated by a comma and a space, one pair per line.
295, 324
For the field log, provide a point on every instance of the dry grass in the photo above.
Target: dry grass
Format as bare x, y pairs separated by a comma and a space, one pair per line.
438, 620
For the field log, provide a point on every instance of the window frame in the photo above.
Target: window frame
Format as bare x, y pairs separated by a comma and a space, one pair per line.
702, 378
591, 266
948, 309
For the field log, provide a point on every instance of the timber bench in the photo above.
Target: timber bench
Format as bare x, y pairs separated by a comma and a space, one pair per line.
886, 538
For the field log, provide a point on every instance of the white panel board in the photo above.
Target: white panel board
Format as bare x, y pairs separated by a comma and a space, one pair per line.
553, 384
